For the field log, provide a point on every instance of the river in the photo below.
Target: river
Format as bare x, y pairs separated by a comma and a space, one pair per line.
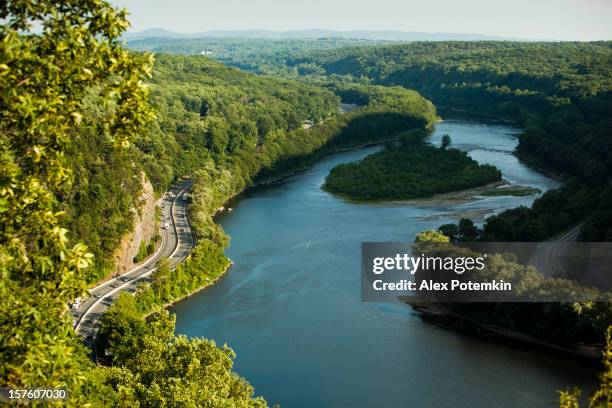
290, 306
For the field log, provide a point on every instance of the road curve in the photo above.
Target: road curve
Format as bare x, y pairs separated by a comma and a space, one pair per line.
548, 260
177, 242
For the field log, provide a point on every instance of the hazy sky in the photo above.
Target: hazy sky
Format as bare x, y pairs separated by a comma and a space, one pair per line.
545, 19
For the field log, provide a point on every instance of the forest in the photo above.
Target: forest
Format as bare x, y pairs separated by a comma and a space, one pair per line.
561, 94
79, 135
80, 130
257, 55
237, 122
410, 169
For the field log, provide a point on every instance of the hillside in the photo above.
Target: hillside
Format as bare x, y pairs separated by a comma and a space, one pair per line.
561, 92
79, 131
221, 119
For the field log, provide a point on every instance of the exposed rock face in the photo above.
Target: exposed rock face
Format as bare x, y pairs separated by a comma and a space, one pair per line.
143, 230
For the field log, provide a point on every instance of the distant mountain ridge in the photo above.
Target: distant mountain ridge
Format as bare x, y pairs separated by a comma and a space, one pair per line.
391, 35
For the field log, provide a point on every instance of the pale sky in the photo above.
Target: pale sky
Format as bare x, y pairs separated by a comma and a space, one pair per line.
537, 19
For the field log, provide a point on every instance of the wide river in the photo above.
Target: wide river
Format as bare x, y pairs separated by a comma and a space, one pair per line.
290, 306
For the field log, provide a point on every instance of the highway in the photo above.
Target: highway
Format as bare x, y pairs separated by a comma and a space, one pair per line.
177, 242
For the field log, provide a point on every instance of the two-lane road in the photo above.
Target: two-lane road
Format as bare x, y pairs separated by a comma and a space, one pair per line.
177, 242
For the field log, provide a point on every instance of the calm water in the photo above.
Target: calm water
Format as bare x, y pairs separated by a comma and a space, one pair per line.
291, 308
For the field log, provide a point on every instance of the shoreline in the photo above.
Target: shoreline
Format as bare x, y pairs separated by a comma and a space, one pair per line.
193, 292
440, 316
443, 199
536, 165
528, 160
478, 115
453, 321
272, 180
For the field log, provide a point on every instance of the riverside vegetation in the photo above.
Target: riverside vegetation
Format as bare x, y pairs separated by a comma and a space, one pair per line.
78, 129
560, 93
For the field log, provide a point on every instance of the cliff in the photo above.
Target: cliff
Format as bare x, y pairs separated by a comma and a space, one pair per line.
144, 229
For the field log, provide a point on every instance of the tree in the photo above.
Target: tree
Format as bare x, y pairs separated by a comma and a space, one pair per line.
122, 329
446, 142
602, 397
431, 236
412, 138
45, 72
152, 367
162, 270
450, 230
160, 277
467, 230
589, 232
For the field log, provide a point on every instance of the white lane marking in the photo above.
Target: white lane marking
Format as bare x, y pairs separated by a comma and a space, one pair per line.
151, 258
78, 326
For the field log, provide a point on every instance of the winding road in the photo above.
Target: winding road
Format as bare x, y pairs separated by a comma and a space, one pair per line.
177, 242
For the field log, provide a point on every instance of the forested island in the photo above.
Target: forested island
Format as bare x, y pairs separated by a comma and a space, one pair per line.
560, 92
411, 169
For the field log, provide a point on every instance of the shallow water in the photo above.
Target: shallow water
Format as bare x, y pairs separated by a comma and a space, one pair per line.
290, 306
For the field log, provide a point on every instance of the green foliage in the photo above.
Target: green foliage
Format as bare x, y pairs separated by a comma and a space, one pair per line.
561, 92
231, 129
602, 397
152, 367
446, 141
144, 250
44, 78
569, 324
259, 55
203, 267
555, 212
569, 398
409, 172
122, 328
101, 204
431, 236
227, 129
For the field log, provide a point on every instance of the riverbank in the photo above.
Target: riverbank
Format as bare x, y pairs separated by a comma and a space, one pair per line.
456, 197
476, 116
443, 317
296, 278
535, 164
316, 156
193, 292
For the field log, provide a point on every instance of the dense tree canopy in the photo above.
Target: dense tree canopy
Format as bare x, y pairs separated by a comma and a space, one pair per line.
77, 136
410, 170
44, 78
